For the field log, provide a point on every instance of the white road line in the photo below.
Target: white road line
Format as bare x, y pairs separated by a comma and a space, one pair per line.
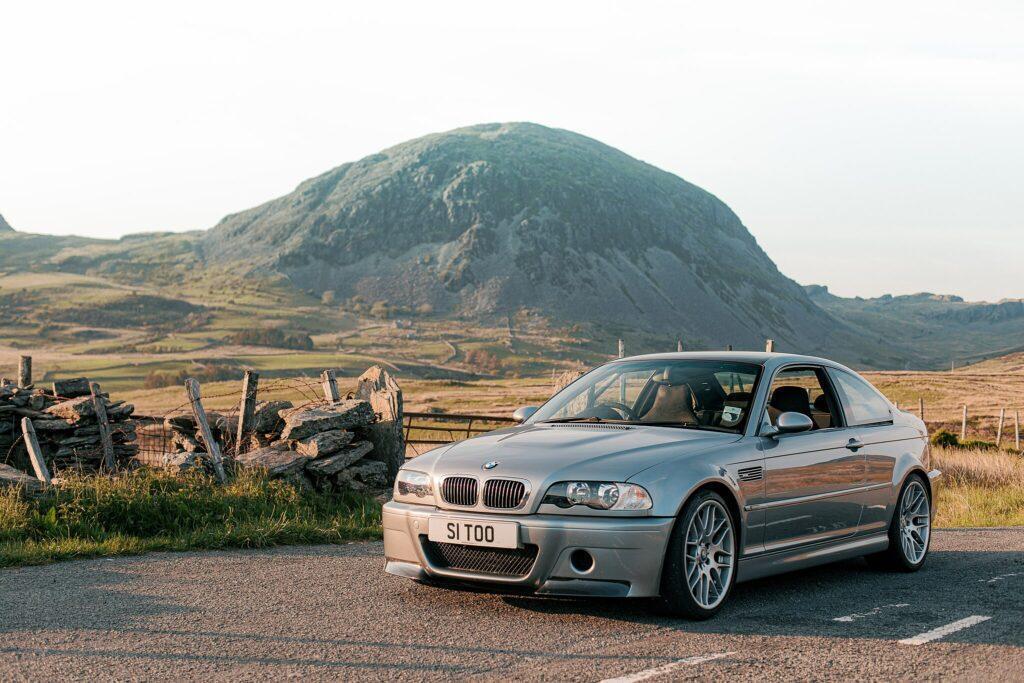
870, 613
1001, 577
667, 668
943, 631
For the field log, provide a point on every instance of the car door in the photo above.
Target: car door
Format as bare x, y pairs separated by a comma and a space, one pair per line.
813, 479
869, 416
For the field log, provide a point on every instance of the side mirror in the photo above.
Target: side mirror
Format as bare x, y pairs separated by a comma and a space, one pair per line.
790, 423
523, 414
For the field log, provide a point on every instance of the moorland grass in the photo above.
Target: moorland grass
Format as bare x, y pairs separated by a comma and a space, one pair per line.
147, 511
979, 488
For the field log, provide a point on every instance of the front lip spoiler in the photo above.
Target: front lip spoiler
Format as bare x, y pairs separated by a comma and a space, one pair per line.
550, 588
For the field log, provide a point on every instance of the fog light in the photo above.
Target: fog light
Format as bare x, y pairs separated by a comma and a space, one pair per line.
581, 561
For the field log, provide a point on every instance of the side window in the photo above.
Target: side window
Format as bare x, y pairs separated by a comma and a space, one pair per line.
805, 391
861, 403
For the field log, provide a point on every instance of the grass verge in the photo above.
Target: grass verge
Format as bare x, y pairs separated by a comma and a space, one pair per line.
979, 488
147, 511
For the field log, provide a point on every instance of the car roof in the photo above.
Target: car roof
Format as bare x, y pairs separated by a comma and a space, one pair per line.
756, 357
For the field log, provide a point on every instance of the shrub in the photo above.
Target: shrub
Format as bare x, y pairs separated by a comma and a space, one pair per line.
945, 439
483, 361
272, 336
207, 372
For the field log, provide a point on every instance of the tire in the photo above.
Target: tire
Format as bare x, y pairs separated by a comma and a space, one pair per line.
910, 530
707, 556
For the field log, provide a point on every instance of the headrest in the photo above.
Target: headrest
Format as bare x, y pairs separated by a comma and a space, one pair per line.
674, 375
787, 399
821, 404
738, 398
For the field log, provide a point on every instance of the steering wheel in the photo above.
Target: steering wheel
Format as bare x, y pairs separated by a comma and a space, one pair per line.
625, 411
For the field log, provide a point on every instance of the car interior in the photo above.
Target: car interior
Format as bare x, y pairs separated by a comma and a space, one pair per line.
695, 397
701, 397
804, 391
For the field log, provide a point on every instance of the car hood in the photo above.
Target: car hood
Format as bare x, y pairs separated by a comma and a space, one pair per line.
546, 453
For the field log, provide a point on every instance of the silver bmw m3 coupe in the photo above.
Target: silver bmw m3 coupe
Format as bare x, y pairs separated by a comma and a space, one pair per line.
671, 477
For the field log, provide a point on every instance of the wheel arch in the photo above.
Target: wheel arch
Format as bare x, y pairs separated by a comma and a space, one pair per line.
722, 488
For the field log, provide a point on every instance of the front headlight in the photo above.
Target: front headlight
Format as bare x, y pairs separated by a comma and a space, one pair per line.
413, 487
599, 495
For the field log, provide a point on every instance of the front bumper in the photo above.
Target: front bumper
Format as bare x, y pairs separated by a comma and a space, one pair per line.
628, 552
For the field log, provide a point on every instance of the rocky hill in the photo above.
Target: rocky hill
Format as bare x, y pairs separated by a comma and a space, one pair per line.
4, 225
483, 226
490, 219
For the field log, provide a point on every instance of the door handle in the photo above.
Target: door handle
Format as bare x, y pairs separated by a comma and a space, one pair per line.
854, 445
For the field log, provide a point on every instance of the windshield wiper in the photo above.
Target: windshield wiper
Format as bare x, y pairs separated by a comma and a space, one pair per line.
665, 423
593, 418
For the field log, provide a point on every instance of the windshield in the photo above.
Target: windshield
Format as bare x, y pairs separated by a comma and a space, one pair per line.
697, 394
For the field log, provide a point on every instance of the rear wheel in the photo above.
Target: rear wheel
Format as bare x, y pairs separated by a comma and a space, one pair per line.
910, 530
700, 563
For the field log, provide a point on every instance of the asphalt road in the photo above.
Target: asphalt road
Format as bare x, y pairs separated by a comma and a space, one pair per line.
330, 612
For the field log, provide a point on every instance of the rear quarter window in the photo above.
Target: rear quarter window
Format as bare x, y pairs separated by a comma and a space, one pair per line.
862, 404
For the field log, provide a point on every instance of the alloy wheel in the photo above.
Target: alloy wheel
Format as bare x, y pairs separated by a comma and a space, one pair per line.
915, 522
709, 554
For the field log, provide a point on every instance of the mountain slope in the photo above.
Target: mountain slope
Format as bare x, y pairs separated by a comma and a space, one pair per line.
490, 219
934, 330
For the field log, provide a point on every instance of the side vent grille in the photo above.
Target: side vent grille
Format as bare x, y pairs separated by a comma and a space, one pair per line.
751, 473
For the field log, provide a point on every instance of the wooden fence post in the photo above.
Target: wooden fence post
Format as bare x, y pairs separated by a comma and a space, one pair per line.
999, 430
920, 408
250, 385
622, 349
25, 371
35, 454
963, 425
192, 388
330, 382
106, 441
1016, 429
769, 345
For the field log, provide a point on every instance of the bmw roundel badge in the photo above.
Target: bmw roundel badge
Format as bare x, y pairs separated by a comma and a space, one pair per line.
490, 465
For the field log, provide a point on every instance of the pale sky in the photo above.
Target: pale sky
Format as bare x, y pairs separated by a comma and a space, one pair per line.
874, 147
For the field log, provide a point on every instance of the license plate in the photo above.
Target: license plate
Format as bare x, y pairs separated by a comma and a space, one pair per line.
472, 532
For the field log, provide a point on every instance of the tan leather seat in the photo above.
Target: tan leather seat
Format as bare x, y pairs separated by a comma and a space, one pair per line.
673, 401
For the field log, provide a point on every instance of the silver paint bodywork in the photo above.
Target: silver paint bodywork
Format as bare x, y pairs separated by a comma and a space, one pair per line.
816, 500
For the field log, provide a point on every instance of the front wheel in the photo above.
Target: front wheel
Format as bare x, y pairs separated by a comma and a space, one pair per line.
910, 531
700, 563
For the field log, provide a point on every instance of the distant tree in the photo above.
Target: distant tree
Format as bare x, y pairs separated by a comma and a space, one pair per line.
483, 361
274, 337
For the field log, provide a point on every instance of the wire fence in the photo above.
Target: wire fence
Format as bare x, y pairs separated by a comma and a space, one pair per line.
424, 431
161, 435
